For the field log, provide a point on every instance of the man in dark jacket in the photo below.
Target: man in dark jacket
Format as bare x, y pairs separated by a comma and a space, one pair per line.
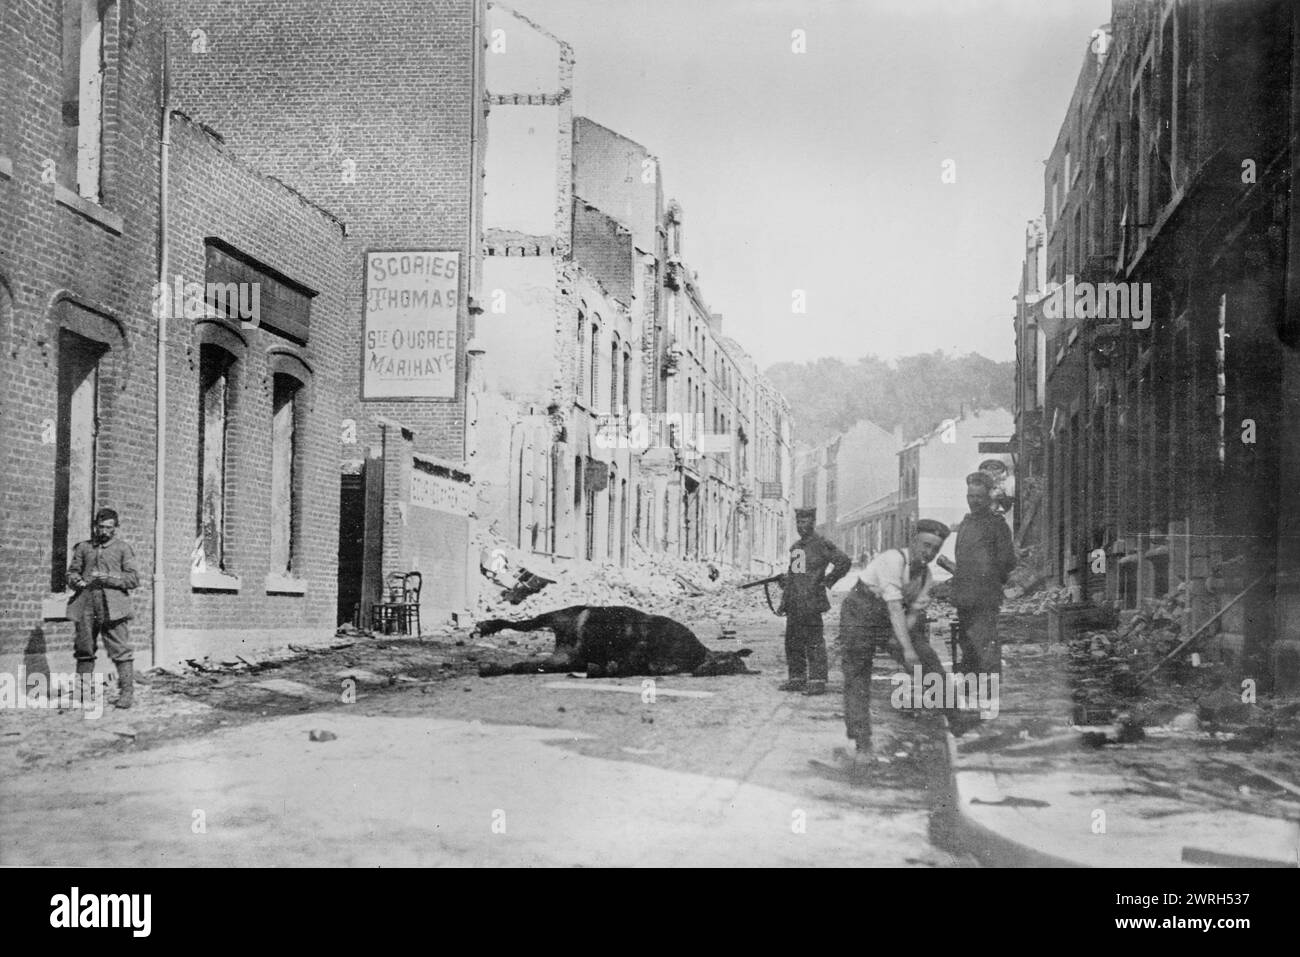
103, 571
985, 559
804, 600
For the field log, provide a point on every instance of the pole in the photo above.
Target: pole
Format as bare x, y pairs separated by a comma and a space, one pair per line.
160, 410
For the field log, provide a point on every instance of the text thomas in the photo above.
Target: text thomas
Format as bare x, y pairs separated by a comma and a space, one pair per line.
411, 318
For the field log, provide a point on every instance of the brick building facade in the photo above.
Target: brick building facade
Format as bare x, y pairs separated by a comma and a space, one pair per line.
731, 484
392, 145
1165, 433
253, 407
269, 533
79, 203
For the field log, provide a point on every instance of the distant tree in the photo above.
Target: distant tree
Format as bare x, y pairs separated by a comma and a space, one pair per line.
918, 392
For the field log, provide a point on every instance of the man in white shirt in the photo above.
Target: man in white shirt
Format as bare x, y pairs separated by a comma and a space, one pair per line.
887, 608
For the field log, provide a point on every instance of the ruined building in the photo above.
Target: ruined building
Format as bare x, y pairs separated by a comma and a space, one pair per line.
610, 417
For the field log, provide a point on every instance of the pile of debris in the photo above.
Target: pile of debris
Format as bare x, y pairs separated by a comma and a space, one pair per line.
1038, 603
528, 584
1144, 639
1159, 621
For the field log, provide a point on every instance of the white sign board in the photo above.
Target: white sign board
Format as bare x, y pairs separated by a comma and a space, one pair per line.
441, 494
409, 347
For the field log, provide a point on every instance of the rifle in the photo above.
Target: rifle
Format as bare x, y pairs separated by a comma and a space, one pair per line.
767, 594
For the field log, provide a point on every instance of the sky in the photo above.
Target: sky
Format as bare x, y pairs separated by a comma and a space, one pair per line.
821, 172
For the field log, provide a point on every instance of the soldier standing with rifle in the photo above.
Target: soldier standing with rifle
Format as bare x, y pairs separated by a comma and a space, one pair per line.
804, 600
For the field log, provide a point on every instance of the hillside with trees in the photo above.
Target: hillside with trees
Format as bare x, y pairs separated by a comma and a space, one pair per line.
918, 392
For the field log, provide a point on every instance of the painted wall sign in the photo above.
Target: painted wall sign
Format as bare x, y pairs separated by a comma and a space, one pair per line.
441, 494
409, 346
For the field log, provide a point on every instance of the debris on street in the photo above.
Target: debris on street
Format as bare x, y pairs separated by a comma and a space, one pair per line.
1075, 704
692, 592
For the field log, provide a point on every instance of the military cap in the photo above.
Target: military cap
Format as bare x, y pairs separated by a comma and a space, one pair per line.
981, 478
807, 512
932, 527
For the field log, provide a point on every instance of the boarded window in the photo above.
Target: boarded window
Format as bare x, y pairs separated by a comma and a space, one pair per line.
215, 371
84, 68
285, 473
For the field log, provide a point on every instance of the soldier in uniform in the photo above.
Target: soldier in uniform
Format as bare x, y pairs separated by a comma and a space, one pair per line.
804, 601
103, 573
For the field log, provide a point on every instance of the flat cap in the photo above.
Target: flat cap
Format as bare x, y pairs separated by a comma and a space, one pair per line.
806, 512
981, 478
932, 527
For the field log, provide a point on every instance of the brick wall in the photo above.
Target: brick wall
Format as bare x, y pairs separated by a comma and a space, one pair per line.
367, 111
217, 197
94, 264
619, 176
604, 248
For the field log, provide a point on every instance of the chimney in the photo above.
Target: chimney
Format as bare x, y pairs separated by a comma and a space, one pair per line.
715, 323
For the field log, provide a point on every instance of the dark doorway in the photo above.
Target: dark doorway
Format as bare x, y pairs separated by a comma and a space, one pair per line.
352, 537
75, 449
361, 540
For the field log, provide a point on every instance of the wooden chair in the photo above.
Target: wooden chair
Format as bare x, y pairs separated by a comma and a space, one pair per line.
402, 610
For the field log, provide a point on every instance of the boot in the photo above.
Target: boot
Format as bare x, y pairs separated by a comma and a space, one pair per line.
85, 690
125, 684
794, 684
815, 687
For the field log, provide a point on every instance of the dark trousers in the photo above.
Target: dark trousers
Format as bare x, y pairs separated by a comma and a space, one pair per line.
92, 623
858, 655
857, 692
981, 650
805, 646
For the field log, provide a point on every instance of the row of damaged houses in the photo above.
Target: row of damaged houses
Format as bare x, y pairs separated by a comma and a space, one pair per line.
1158, 379
306, 316
870, 488
615, 416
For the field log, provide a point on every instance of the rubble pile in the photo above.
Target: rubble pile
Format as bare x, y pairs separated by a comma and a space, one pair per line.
689, 591
1038, 603
1158, 625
